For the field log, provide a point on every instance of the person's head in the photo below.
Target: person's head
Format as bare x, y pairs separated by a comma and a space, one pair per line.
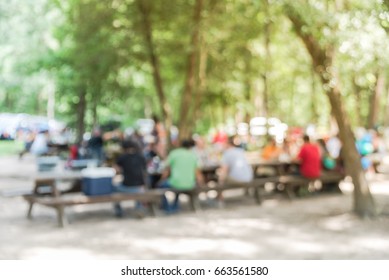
129, 145
96, 131
306, 138
44, 131
187, 143
200, 143
231, 142
155, 119
271, 141
321, 142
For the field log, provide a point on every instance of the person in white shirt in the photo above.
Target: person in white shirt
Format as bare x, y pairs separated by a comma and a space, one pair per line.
234, 165
40, 145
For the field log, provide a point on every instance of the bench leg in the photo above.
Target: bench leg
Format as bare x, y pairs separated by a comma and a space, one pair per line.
331, 187
152, 208
257, 195
290, 191
194, 202
62, 221
29, 212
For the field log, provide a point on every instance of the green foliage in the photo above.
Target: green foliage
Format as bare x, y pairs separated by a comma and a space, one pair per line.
99, 45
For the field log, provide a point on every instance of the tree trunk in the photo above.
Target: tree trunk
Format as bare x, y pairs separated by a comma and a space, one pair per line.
315, 113
265, 76
202, 82
248, 89
81, 110
357, 93
248, 111
39, 103
363, 201
184, 125
50, 101
375, 99
386, 109
322, 59
95, 101
290, 116
145, 10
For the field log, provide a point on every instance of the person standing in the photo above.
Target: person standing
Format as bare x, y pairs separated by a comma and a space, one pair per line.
39, 146
160, 137
95, 146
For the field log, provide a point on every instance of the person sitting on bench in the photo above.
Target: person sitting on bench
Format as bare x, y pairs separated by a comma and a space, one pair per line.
181, 173
234, 167
309, 158
132, 165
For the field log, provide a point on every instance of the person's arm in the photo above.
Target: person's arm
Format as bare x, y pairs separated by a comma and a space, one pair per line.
144, 173
223, 173
200, 178
299, 156
117, 168
224, 169
165, 173
118, 165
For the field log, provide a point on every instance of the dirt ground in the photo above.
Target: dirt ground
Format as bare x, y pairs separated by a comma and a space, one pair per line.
316, 227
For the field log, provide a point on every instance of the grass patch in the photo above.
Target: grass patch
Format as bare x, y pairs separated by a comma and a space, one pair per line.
8, 147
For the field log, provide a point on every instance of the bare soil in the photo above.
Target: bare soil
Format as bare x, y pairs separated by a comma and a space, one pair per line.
314, 227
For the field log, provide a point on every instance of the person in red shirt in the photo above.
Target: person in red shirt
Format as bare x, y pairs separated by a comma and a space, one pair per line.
310, 160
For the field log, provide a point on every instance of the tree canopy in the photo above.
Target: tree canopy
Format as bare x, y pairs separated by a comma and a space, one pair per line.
245, 60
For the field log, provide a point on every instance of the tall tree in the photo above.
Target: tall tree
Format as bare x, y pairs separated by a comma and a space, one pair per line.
322, 55
184, 125
375, 98
145, 8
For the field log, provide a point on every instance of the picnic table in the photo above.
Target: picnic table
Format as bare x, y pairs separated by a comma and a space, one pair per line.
279, 167
45, 184
46, 192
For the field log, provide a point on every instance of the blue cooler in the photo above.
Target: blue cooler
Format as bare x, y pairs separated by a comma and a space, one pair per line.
97, 181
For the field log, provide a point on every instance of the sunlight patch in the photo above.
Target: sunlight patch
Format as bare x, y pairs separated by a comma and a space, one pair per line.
185, 246
58, 254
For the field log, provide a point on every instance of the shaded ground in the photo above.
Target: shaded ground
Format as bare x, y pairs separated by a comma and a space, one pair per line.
319, 227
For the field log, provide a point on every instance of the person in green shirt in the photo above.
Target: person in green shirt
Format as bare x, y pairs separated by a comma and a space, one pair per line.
181, 173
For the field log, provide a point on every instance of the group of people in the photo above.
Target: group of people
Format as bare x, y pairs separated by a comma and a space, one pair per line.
144, 162
41, 142
183, 166
182, 170
36, 143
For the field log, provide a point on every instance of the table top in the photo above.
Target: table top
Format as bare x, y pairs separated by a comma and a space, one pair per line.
58, 175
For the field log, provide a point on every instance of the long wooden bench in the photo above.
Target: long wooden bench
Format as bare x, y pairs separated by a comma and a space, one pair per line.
151, 198
256, 184
292, 183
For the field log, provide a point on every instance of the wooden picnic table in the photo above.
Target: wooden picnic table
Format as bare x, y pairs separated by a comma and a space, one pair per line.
280, 167
45, 184
46, 192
